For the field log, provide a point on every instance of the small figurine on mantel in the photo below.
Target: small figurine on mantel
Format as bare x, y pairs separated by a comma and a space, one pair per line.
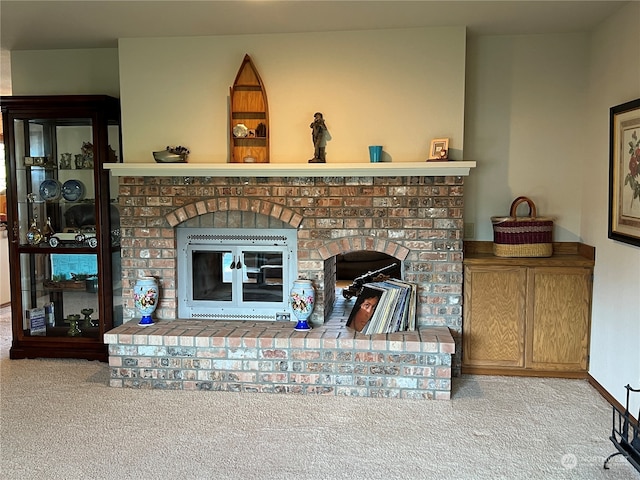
319, 137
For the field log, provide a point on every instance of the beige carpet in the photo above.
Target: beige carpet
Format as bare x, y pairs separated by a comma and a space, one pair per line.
60, 420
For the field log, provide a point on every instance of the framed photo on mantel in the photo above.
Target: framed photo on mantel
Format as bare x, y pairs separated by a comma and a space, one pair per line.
624, 172
439, 149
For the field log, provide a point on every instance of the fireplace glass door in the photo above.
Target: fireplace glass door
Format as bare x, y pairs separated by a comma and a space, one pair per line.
234, 277
246, 275
261, 276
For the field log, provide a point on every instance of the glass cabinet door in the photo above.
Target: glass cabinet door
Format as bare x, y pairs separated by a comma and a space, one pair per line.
56, 198
56, 300
56, 212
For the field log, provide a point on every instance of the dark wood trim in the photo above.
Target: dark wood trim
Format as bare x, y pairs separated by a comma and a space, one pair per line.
609, 398
98, 352
521, 372
587, 251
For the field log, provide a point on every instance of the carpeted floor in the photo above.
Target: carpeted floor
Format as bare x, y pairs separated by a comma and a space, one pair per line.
60, 420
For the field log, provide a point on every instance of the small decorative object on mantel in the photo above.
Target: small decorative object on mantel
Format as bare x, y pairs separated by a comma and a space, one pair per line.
302, 299
439, 150
515, 236
375, 153
248, 116
319, 137
172, 155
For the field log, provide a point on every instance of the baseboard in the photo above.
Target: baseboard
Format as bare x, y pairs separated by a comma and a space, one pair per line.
609, 398
521, 372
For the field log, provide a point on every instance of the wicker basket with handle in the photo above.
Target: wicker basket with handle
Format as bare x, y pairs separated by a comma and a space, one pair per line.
530, 236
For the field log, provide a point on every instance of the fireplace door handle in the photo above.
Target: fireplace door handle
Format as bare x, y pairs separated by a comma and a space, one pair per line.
236, 264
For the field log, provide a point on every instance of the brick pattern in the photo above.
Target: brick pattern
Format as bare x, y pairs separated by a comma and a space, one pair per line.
271, 357
418, 220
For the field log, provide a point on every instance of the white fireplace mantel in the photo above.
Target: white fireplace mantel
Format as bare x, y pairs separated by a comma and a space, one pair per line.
383, 169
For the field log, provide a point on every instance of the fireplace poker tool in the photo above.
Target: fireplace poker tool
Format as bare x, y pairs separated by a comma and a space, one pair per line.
355, 288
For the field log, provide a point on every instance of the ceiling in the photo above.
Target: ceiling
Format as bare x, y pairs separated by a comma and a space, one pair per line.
52, 24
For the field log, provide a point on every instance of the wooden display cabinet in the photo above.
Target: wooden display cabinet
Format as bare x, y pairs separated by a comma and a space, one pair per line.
527, 316
64, 232
249, 116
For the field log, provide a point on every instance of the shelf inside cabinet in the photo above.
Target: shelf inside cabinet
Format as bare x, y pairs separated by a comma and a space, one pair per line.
80, 250
248, 115
72, 285
253, 141
63, 332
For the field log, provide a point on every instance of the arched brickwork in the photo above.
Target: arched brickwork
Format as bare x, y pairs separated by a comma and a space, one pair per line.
213, 205
358, 243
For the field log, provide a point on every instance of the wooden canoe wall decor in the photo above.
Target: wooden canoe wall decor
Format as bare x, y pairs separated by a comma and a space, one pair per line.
249, 117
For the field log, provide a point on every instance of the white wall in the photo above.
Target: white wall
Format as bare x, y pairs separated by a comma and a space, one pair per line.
396, 88
525, 125
614, 78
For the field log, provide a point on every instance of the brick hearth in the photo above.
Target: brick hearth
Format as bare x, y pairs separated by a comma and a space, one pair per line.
271, 357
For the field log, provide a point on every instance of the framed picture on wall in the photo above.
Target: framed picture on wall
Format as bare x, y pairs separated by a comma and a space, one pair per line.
439, 149
624, 172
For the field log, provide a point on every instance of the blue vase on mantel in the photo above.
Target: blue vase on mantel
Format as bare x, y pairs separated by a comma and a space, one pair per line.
145, 299
302, 299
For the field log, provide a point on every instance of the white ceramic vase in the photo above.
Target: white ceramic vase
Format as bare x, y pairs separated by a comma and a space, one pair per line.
302, 300
145, 299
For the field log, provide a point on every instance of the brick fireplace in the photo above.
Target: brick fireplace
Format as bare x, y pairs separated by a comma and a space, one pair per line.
416, 218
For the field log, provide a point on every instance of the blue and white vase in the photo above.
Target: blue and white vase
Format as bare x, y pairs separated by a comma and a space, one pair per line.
302, 300
145, 299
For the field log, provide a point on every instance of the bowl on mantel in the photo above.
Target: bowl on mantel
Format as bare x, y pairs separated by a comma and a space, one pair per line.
165, 156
